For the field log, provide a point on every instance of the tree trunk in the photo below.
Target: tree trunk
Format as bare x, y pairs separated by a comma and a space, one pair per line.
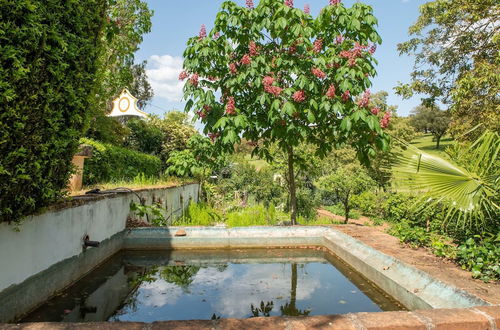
293, 290
346, 209
293, 196
438, 139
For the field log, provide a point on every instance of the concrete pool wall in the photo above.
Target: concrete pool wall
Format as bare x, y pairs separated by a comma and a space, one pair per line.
47, 254
413, 288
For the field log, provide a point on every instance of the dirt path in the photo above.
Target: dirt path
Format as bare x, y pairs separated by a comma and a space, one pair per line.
441, 268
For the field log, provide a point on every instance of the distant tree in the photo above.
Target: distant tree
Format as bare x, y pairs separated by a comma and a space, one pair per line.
346, 182
140, 86
455, 44
431, 119
285, 78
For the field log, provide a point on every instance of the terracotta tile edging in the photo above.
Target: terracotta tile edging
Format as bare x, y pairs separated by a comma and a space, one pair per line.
477, 318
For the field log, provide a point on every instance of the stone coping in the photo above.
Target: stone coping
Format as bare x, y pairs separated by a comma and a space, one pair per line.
478, 318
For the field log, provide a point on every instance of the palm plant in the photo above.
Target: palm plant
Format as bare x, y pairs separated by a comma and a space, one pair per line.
468, 187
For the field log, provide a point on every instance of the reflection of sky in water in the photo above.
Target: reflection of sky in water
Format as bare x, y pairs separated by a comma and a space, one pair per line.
230, 292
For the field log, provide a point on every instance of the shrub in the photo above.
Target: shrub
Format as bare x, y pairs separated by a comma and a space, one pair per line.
112, 163
481, 256
257, 215
49, 52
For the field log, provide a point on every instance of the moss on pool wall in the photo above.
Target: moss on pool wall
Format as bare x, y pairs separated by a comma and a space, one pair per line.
54, 237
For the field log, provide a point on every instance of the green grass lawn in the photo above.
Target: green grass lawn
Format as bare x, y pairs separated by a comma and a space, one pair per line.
257, 163
426, 144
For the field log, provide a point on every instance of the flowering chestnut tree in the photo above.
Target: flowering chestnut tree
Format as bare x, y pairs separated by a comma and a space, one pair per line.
275, 75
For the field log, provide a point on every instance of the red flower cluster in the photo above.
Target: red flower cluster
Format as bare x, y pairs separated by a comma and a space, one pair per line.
292, 49
318, 45
232, 68
289, 3
194, 80
375, 110
299, 96
373, 49
230, 107
269, 88
213, 136
201, 113
365, 99
183, 75
346, 96
307, 9
339, 39
331, 92
246, 60
353, 54
253, 50
216, 35
203, 32
318, 73
334, 2
384, 122
250, 4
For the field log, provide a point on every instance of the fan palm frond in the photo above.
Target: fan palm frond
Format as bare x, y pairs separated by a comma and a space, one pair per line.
469, 191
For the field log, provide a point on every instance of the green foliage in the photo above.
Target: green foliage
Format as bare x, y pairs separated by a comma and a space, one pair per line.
49, 58
468, 189
153, 213
144, 136
257, 215
411, 235
481, 255
431, 119
266, 113
112, 163
338, 209
199, 214
346, 182
455, 44
181, 276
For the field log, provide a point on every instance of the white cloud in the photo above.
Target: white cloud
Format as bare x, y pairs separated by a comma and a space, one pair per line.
163, 74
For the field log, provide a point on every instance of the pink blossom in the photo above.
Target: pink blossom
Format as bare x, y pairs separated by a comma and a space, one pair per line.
373, 49
232, 68
183, 75
250, 4
365, 99
194, 80
299, 96
201, 114
207, 108
268, 81
289, 3
203, 32
339, 39
230, 107
334, 2
375, 110
384, 122
318, 73
331, 92
307, 9
292, 49
253, 49
318, 45
275, 90
246, 60
216, 35
346, 96
213, 136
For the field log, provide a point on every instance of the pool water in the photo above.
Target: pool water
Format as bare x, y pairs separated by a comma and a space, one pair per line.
148, 286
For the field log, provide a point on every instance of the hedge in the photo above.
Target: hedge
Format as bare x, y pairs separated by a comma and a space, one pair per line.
111, 163
49, 57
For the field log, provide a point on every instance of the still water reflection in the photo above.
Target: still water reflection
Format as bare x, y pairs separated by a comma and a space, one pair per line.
181, 285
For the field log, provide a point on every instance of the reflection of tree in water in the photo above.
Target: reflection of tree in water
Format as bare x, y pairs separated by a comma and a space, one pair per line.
264, 310
290, 309
182, 276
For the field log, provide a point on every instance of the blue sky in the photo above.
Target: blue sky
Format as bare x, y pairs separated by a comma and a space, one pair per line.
175, 21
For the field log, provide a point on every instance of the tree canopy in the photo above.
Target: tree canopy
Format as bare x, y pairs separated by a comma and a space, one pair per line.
273, 74
455, 44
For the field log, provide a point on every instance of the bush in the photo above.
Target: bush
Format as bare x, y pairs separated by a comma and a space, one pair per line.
112, 163
49, 51
481, 256
257, 215
199, 214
